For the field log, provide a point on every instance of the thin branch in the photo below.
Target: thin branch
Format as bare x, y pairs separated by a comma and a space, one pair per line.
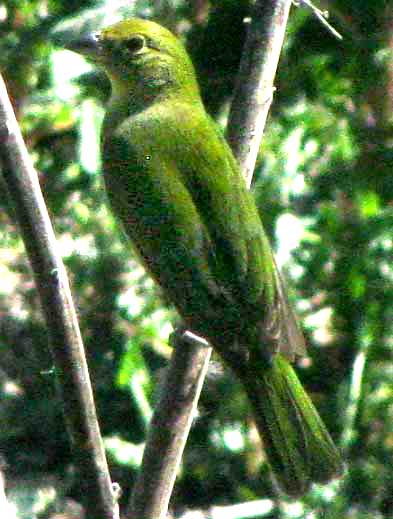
321, 15
170, 426
257, 508
173, 415
254, 90
356, 386
65, 338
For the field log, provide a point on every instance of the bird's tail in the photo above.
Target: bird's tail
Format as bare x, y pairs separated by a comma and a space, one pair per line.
298, 446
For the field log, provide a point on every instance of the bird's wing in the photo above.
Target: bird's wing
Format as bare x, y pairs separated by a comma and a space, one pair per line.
173, 181
245, 263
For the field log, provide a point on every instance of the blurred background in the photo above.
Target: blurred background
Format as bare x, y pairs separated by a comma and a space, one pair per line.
324, 186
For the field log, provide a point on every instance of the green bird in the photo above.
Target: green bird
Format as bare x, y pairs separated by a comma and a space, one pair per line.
175, 185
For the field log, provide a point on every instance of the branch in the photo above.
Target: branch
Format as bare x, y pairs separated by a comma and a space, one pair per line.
257, 508
254, 90
170, 426
65, 338
322, 16
173, 415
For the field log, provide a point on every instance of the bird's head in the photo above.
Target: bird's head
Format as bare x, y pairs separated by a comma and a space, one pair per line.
140, 56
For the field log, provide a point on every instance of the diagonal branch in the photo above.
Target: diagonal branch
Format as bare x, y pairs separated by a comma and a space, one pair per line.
65, 338
170, 426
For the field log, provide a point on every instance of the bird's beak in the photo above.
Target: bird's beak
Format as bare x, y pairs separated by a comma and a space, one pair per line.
87, 45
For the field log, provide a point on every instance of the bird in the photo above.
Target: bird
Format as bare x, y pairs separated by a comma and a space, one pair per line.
177, 189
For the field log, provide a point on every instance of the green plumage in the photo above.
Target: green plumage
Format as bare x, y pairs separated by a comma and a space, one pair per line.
174, 184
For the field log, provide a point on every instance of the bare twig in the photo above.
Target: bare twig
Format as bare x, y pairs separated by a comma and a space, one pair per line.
321, 15
173, 414
356, 387
170, 427
65, 339
254, 91
258, 508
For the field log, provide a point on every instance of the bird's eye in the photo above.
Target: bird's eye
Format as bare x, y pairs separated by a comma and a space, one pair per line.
135, 44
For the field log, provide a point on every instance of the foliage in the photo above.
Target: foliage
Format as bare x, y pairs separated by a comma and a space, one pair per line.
325, 191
